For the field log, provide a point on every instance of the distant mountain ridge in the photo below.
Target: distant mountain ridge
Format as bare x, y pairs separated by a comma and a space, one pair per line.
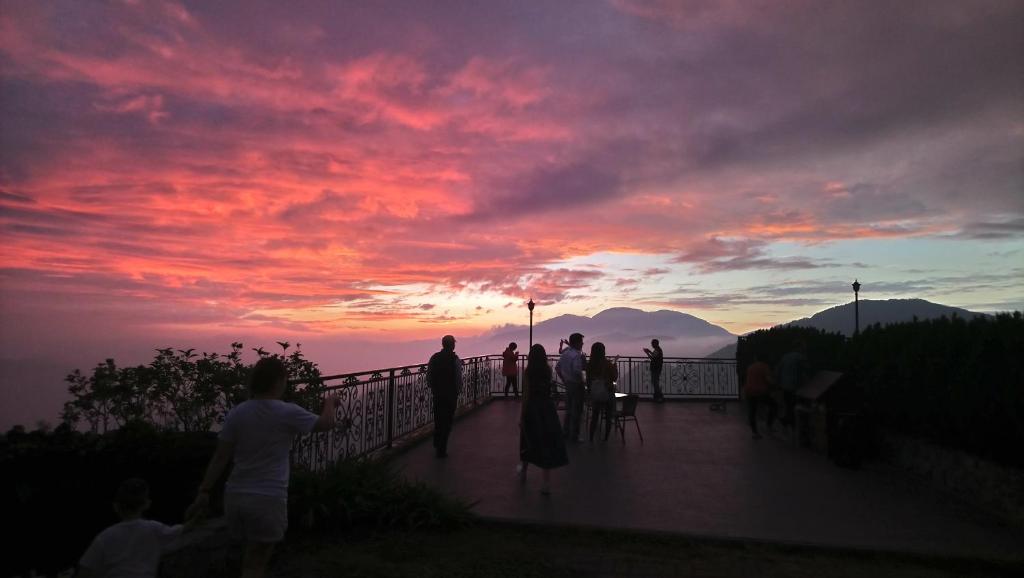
840, 319
624, 330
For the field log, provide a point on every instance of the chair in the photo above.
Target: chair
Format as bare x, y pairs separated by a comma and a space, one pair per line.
628, 413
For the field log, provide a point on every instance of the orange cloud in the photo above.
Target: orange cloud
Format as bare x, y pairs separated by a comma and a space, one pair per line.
306, 173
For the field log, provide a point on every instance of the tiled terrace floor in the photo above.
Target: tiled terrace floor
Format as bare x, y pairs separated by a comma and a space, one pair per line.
700, 473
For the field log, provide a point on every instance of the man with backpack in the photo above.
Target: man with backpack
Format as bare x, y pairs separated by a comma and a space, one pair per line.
444, 376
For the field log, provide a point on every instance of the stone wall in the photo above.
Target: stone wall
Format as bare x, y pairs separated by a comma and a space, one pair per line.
990, 486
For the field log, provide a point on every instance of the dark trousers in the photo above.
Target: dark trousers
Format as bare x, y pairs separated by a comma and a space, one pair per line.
599, 409
656, 384
765, 401
511, 381
789, 399
573, 410
444, 415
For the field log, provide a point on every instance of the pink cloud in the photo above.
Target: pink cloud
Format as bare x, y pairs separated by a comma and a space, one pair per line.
246, 166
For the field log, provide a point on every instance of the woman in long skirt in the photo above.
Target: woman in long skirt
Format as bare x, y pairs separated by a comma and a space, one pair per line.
540, 433
601, 377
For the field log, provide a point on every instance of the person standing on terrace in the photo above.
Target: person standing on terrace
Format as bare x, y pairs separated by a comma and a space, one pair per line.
540, 435
657, 357
257, 436
444, 377
510, 369
602, 373
757, 391
570, 369
791, 373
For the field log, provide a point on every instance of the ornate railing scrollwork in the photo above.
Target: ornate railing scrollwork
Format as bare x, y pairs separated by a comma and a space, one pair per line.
378, 407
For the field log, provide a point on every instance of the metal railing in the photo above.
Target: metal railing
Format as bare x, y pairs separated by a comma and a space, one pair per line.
681, 377
380, 407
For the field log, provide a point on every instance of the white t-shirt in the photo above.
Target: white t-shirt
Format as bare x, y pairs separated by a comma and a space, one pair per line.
263, 431
129, 549
570, 366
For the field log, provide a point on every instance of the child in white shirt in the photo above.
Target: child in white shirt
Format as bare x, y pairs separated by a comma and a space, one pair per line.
257, 437
132, 547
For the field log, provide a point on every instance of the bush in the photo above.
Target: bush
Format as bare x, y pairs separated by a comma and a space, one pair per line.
58, 486
369, 495
955, 382
958, 383
179, 390
58, 490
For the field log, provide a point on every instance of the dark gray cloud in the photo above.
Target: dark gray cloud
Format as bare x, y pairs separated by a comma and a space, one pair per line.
15, 198
562, 187
832, 291
717, 255
987, 230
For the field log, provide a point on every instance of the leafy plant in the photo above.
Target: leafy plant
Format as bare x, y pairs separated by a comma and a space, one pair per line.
58, 486
367, 494
179, 390
954, 381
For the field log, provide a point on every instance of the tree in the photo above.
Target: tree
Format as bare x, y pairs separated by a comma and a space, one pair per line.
179, 390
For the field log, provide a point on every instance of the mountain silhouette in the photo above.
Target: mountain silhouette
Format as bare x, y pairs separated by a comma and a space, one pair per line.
840, 319
625, 331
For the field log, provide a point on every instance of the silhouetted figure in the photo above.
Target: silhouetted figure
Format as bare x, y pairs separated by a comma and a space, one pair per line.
757, 391
657, 358
257, 435
570, 370
540, 435
444, 377
131, 547
510, 369
601, 377
790, 374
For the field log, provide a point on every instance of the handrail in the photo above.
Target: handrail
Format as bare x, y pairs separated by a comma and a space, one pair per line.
381, 406
521, 358
347, 376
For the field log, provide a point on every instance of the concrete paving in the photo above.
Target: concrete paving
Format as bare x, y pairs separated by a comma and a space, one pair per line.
700, 473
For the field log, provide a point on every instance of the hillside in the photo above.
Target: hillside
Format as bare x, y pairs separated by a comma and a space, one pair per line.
623, 330
840, 319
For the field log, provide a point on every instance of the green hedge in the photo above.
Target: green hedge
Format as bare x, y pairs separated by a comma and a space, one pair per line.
58, 490
369, 495
957, 382
58, 487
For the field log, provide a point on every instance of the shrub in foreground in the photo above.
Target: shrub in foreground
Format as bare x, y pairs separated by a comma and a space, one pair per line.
953, 381
369, 495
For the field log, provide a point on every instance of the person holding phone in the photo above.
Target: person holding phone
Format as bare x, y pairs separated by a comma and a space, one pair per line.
657, 357
570, 369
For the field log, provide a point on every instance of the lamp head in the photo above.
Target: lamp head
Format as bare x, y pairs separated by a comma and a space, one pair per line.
856, 286
531, 304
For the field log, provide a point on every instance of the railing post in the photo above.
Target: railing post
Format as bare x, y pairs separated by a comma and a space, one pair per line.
391, 407
476, 379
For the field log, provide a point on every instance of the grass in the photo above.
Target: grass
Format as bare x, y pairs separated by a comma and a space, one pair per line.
498, 550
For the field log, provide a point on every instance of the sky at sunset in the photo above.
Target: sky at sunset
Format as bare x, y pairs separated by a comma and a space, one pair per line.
201, 172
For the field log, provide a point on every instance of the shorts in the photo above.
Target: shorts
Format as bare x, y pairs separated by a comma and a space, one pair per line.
256, 518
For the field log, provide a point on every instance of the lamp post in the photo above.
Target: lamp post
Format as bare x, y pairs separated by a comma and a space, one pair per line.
856, 307
530, 306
